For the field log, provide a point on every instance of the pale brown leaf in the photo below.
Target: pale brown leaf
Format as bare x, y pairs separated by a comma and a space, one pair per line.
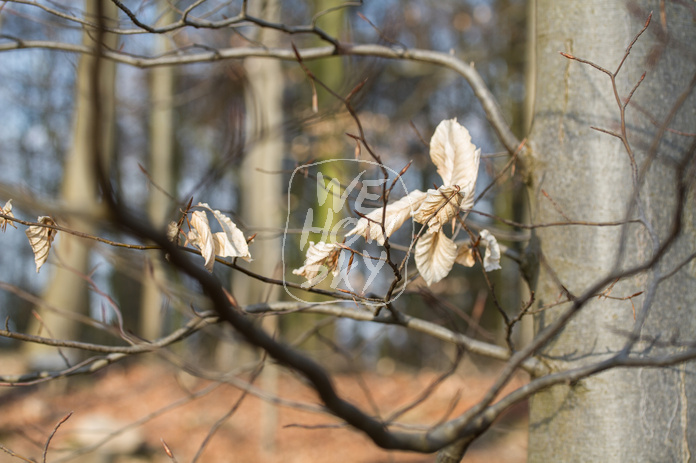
456, 158
465, 256
7, 210
228, 243
443, 202
319, 255
40, 239
491, 260
231, 241
370, 226
201, 237
435, 256
173, 232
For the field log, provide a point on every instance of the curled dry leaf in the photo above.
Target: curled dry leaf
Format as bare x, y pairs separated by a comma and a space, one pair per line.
443, 203
319, 255
491, 260
231, 241
465, 256
173, 232
370, 226
201, 237
435, 256
7, 210
40, 239
456, 158
228, 243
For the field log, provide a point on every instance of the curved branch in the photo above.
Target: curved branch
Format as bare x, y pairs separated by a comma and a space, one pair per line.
185, 331
91, 365
493, 411
493, 112
377, 430
474, 346
186, 20
96, 363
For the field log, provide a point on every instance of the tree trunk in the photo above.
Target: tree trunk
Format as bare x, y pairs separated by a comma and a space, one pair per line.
67, 291
638, 414
262, 193
160, 169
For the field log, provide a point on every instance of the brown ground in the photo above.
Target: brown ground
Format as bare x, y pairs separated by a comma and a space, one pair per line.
125, 394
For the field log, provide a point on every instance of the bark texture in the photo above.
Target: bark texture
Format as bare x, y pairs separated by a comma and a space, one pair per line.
623, 415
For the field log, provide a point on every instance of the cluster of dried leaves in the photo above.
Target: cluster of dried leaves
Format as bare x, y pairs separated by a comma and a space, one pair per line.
230, 242
457, 162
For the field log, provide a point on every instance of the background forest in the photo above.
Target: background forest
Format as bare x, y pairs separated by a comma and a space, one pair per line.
186, 159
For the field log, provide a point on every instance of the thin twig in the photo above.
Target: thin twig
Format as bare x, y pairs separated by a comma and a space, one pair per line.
53, 433
14, 454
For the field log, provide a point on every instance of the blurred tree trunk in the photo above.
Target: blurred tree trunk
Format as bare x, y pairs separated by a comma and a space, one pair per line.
160, 169
330, 72
622, 415
262, 193
67, 291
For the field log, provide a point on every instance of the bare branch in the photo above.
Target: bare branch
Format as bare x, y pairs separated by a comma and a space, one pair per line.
469, 344
53, 433
468, 72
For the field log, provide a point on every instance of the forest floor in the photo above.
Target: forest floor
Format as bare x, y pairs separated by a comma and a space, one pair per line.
152, 403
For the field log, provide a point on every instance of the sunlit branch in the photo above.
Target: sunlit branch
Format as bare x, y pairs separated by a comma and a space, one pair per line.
468, 72
185, 331
473, 346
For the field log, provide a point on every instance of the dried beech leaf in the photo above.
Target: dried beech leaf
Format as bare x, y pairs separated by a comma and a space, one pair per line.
491, 260
173, 232
465, 256
40, 239
201, 237
396, 214
225, 248
435, 256
7, 210
318, 256
231, 242
228, 243
445, 201
456, 158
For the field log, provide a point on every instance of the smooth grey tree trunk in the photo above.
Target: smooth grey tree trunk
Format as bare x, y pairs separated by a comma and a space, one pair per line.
161, 171
67, 290
622, 415
262, 196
